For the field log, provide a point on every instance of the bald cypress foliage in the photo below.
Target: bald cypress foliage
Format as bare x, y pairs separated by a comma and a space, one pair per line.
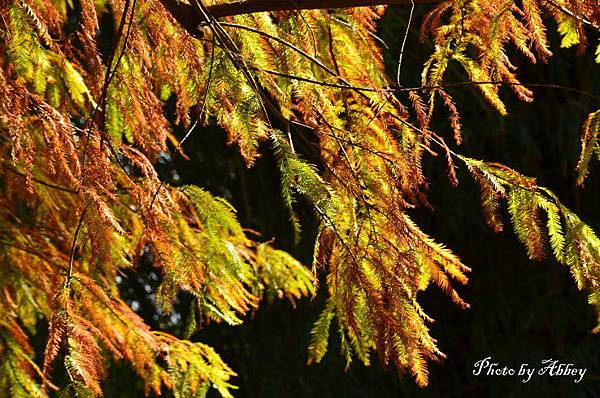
81, 131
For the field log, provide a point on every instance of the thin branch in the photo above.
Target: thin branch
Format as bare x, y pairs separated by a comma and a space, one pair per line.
352, 27
540, 85
198, 118
422, 88
280, 40
570, 13
41, 182
110, 74
312, 34
73, 246
232, 52
41, 256
410, 17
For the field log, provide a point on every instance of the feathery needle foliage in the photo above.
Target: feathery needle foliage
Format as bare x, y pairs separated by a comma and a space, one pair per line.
82, 129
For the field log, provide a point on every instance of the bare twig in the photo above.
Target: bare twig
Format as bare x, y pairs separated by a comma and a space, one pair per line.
570, 13
41, 182
410, 16
282, 41
73, 246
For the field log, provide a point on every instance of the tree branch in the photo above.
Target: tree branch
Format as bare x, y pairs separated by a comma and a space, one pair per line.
188, 18
252, 6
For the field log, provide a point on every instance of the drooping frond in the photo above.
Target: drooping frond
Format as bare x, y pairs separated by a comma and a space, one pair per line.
194, 368
19, 375
372, 294
571, 241
476, 35
320, 334
589, 145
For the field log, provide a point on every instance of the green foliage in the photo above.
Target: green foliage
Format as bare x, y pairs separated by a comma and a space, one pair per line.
589, 145
18, 378
194, 368
320, 334
42, 68
283, 275
215, 261
567, 27
525, 219
298, 176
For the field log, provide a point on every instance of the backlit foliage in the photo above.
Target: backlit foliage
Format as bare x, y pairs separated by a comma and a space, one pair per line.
590, 146
81, 131
570, 240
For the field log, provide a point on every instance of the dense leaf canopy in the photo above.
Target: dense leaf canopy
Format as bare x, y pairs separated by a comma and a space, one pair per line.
90, 95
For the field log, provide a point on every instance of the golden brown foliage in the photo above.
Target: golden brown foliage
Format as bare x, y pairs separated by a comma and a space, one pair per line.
80, 134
